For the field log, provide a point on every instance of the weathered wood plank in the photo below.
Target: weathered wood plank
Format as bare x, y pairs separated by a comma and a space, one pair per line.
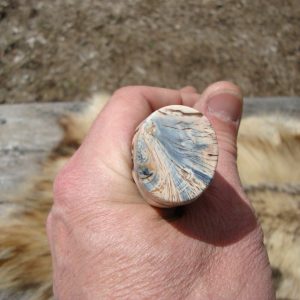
29, 131
270, 105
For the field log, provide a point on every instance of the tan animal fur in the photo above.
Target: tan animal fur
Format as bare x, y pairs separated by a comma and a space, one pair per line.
268, 156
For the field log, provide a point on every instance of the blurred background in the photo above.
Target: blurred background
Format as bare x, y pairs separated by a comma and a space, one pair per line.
64, 50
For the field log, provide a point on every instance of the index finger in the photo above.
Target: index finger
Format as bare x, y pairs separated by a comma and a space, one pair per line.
109, 139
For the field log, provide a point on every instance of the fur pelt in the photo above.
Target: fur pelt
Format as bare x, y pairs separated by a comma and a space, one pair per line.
268, 155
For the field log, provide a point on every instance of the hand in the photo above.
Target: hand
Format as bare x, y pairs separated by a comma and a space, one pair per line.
108, 243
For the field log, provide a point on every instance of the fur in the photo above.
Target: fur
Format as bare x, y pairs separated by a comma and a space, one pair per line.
268, 153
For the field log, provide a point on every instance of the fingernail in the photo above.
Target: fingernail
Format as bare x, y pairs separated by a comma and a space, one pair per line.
227, 107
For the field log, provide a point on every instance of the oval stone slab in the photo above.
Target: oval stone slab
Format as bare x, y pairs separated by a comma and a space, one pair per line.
175, 154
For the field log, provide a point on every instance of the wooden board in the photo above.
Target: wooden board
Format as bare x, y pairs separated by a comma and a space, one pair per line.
28, 132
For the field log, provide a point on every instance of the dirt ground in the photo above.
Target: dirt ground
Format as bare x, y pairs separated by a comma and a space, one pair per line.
64, 50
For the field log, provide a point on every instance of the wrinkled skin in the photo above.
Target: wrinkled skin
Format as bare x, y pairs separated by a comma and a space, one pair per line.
108, 243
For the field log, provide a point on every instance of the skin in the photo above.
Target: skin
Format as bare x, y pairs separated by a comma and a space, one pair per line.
108, 243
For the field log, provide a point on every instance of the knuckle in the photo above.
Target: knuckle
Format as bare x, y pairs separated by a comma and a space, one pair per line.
126, 91
60, 185
227, 146
65, 187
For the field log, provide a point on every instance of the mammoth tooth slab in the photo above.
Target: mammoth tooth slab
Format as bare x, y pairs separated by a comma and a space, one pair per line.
175, 154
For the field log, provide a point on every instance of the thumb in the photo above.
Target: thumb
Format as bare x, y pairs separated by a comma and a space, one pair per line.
222, 103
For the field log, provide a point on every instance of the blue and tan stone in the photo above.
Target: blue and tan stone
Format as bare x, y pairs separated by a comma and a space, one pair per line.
175, 155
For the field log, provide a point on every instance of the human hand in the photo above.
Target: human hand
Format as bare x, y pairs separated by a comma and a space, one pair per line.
108, 243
